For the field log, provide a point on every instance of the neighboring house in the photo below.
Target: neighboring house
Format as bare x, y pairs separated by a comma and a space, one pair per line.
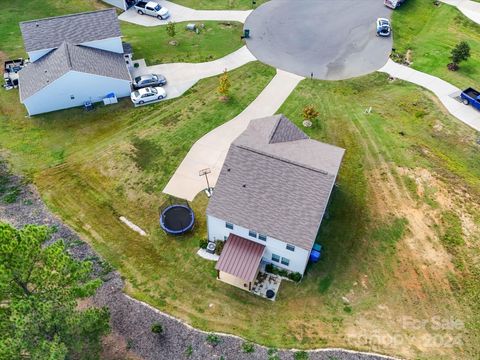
75, 59
270, 199
121, 4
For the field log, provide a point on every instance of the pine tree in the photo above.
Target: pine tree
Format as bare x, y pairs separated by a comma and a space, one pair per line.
39, 289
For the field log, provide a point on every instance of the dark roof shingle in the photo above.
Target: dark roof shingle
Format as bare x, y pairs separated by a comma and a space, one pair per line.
76, 29
35, 76
280, 189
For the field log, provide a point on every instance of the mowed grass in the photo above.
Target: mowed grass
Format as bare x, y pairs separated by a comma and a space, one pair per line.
93, 167
221, 4
431, 32
215, 40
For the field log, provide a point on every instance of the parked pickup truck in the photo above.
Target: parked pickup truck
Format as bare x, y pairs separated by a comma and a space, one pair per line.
153, 9
471, 96
393, 4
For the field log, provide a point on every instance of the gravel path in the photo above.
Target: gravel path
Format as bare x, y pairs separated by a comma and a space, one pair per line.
133, 319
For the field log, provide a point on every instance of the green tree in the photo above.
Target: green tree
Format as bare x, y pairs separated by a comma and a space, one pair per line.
224, 85
171, 30
39, 289
461, 52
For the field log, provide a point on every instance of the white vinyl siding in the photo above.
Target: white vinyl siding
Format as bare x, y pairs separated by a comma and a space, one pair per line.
298, 258
83, 87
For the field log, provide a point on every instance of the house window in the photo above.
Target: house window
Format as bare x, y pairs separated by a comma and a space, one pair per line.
252, 233
229, 226
262, 237
72, 97
275, 258
285, 261
290, 247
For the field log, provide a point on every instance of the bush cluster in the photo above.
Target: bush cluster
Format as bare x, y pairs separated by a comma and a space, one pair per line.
202, 243
294, 276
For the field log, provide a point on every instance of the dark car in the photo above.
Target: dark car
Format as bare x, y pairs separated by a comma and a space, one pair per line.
149, 80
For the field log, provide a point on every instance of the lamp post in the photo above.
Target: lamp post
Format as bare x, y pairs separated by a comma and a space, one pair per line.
205, 172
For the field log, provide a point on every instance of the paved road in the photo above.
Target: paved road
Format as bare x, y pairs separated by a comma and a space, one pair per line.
181, 13
333, 39
210, 150
445, 91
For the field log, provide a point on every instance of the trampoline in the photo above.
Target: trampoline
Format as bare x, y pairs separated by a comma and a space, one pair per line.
177, 219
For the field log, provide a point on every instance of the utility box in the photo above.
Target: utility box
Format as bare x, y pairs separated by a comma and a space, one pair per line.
110, 99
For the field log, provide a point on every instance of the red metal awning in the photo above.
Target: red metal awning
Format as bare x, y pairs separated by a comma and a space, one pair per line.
240, 257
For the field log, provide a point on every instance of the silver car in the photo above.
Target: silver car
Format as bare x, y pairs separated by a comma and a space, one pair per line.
144, 95
149, 80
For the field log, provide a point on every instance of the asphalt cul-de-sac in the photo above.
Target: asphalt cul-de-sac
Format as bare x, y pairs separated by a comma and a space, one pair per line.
331, 39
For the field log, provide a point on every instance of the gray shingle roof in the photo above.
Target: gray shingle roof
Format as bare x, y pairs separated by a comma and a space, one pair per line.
35, 76
280, 189
75, 28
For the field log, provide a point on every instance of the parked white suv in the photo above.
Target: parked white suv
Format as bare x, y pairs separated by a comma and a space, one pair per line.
153, 9
148, 94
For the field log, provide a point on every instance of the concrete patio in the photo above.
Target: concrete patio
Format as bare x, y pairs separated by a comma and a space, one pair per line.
264, 282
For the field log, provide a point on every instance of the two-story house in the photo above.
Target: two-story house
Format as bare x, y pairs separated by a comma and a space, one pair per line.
270, 199
75, 59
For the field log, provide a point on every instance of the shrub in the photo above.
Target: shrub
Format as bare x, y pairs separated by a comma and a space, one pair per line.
310, 113
296, 276
12, 195
213, 339
219, 244
283, 272
157, 328
269, 268
273, 354
170, 28
248, 347
301, 355
202, 243
460, 52
189, 351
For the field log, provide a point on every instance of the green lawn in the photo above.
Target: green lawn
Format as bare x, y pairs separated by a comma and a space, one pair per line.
431, 32
215, 40
221, 4
93, 167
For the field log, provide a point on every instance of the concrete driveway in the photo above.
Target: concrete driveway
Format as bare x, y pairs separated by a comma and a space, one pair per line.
181, 13
182, 76
334, 40
210, 150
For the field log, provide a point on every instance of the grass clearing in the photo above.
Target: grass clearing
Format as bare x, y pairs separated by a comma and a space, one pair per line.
431, 32
215, 40
381, 249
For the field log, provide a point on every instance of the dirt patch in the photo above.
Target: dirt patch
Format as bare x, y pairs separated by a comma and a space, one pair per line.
115, 348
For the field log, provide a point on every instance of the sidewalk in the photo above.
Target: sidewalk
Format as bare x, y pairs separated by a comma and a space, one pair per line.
182, 76
180, 13
470, 9
445, 91
210, 150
